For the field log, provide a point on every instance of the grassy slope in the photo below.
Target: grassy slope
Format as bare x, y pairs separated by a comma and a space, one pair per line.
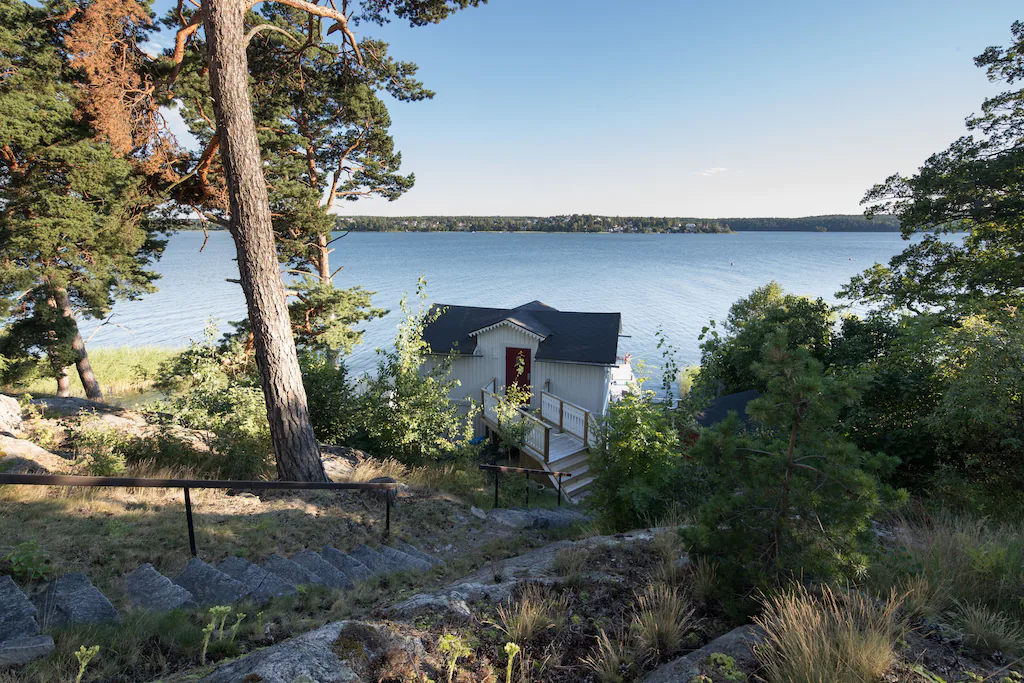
120, 370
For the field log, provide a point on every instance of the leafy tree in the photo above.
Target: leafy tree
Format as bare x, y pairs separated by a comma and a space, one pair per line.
513, 428
638, 465
74, 231
898, 361
796, 496
728, 357
973, 186
979, 418
406, 411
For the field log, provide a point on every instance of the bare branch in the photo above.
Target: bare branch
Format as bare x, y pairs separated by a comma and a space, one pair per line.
268, 27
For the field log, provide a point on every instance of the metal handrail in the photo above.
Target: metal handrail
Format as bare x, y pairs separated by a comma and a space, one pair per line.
498, 469
186, 484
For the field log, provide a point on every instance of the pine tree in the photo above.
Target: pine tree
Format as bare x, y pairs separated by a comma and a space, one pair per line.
74, 232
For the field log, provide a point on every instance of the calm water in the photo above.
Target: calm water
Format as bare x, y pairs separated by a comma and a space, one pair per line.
676, 281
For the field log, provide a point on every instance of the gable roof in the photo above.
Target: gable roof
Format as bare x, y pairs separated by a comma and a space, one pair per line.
563, 336
720, 408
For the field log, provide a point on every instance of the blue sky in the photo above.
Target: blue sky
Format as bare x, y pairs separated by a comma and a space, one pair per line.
672, 107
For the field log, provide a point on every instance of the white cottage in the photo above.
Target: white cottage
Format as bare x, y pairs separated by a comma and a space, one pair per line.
570, 361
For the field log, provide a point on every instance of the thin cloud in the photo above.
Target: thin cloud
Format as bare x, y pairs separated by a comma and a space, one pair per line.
712, 171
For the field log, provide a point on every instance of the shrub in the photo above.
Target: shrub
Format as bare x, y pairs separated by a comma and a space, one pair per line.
834, 637
99, 450
661, 618
637, 467
29, 562
405, 412
988, 631
333, 405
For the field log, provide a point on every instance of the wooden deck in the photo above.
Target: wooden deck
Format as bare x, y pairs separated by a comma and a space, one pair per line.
559, 439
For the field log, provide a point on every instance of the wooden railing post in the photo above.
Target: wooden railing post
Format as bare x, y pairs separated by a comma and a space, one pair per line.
547, 443
586, 429
561, 414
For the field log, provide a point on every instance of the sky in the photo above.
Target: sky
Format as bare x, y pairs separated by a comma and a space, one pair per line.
682, 108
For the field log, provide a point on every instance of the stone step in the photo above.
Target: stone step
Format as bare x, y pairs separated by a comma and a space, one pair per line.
403, 560
149, 589
410, 549
72, 599
261, 585
210, 586
17, 613
332, 576
21, 651
292, 573
353, 568
377, 563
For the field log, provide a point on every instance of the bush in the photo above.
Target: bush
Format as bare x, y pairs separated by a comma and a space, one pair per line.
638, 466
333, 404
839, 638
99, 450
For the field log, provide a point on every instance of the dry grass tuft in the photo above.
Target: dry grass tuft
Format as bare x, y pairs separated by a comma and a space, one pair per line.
534, 612
609, 660
704, 579
828, 638
661, 618
569, 563
923, 597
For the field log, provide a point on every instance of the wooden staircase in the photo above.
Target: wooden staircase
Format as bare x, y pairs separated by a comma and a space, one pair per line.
560, 437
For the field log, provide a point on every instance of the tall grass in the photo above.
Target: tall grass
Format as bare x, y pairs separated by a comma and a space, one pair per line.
121, 371
962, 560
828, 638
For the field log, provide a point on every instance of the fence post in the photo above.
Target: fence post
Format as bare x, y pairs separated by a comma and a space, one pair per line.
559, 489
497, 473
188, 517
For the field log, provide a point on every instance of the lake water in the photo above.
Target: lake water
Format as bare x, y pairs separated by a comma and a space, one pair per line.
678, 282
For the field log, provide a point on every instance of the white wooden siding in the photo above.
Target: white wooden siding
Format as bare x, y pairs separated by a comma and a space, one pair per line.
584, 385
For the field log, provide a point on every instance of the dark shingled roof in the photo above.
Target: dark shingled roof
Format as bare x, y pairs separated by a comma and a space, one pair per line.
564, 336
720, 408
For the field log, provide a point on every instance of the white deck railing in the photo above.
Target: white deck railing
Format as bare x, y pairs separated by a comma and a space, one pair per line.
538, 436
569, 417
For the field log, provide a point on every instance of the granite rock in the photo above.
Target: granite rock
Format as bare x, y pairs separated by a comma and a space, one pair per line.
149, 589
210, 586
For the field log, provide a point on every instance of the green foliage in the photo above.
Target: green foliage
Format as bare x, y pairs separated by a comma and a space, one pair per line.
513, 426
99, 450
796, 497
728, 356
29, 562
972, 186
406, 412
637, 467
215, 392
75, 230
978, 419
334, 406
452, 647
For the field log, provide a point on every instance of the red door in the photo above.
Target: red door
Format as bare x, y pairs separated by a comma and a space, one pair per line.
517, 367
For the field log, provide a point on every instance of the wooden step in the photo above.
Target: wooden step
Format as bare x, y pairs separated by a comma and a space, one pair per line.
569, 463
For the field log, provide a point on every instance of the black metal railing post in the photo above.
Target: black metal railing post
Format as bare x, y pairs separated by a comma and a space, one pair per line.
188, 518
498, 469
186, 484
527, 475
560, 475
497, 473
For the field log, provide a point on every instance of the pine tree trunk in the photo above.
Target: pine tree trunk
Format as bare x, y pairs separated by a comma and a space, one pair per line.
82, 364
298, 454
63, 383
